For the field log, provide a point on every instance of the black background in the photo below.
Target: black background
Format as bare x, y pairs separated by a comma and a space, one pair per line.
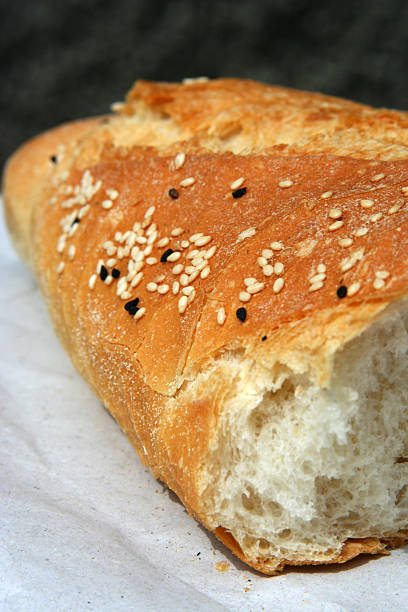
62, 60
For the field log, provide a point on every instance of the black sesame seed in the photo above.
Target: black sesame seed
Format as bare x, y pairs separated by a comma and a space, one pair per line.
115, 273
131, 307
241, 314
173, 193
341, 291
238, 193
264, 338
166, 254
75, 221
54, 159
103, 273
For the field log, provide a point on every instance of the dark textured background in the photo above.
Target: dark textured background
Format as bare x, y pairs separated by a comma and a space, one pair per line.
62, 60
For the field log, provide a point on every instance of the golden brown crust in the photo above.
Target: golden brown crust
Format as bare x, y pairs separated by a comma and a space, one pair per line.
332, 214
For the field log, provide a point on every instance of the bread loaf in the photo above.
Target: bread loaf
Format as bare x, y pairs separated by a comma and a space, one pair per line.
226, 264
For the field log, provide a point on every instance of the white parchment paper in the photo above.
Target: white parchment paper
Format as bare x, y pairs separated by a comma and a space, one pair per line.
83, 526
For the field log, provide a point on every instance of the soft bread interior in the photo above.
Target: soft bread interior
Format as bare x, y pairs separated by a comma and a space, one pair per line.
294, 469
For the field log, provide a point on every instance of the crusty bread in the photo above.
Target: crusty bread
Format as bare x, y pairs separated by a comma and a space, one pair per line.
262, 373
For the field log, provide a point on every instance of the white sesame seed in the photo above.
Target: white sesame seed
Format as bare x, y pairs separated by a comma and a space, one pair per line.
335, 213
99, 266
60, 267
378, 283
177, 231
147, 250
136, 279
179, 160
187, 182
382, 274
326, 194
61, 243
140, 313
317, 278
184, 244
267, 270
111, 262
184, 280
345, 242
251, 231
118, 236
125, 295
136, 226
262, 261
192, 254
107, 244
221, 316
162, 289
108, 280
199, 263
244, 296
149, 212
107, 204
352, 290
366, 203
321, 268
121, 286
202, 241
336, 225
278, 285
315, 286
255, 288
120, 253
71, 251
205, 272
377, 177
237, 183
159, 278
267, 253
278, 268
182, 304
361, 231
141, 239
163, 242
348, 264
152, 238
83, 210
276, 246
112, 194
188, 290
286, 183
92, 281
175, 287
376, 217
193, 276
111, 250
208, 254
152, 287
174, 256
178, 269
151, 261
250, 281
394, 209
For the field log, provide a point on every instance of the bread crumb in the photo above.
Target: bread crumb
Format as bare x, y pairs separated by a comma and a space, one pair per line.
222, 566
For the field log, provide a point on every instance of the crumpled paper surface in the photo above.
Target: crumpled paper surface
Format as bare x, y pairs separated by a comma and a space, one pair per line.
83, 526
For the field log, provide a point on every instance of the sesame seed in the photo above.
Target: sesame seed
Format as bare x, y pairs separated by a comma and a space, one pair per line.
83, 210
335, 213
163, 242
221, 316
286, 183
244, 296
278, 285
255, 288
111, 250
321, 268
276, 246
173, 193
382, 274
241, 314
111, 262
159, 278
237, 183
136, 226
92, 281
179, 160
378, 283
336, 225
193, 276
341, 292
151, 261
136, 279
172, 257
267, 270
132, 306
166, 255
61, 243
366, 203
112, 194
60, 267
267, 253
187, 182
184, 244
238, 193
250, 281
205, 272
182, 304
71, 252
115, 273
162, 289
262, 261
352, 290
141, 239
278, 268
121, 286
404, 189
107, 204
376, 217
175, 287
177, 231
317, 278
152, 287
326, 194
140, 313
210, 252
361, 231
149, 212
178, 269
394, 209
188, 290
202, 241
118, 236
377, 177
315, 286
348, 264
199, 263
345, 242
184, 280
